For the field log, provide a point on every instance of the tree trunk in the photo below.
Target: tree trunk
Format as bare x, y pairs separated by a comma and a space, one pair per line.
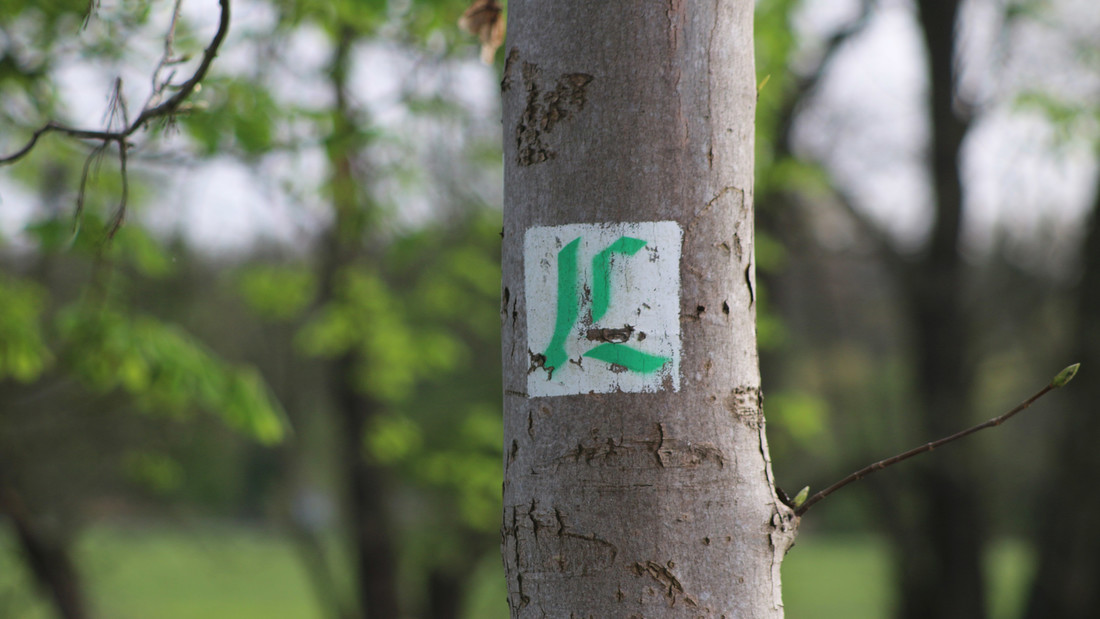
49, 559
941, 541
375, 565
637, 480
375, 570
1066, 536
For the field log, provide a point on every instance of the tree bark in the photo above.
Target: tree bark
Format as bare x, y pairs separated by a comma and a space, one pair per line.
622, 500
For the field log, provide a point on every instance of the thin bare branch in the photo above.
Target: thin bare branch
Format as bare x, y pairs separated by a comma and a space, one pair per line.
165, 108
157, 86
807, 84
120, 212
78, 214
1059, 381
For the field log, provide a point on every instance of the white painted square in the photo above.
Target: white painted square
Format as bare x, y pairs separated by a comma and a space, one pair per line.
631, 341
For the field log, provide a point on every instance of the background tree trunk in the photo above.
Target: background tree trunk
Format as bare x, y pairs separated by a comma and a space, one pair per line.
648, 503
941, 540
373, 556
1066, 533
49, 559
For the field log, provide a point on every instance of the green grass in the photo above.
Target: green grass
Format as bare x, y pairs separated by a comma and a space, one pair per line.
837, 577
166, 574
244, 573
842, 577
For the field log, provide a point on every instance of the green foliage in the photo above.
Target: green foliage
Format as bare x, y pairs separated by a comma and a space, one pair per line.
165, 370
802, 415
156, 471
277, 293
470, 465
24, 354
1070, 120
366, 318
392, 439
775, 42
132, 245
236, 114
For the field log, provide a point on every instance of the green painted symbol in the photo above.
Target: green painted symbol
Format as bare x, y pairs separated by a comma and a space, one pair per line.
633, 360
614, 353
601, 272
567, 305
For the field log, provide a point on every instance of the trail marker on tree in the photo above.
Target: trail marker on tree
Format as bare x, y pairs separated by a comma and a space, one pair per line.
603, 307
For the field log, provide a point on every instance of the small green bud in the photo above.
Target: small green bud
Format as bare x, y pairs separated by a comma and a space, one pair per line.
800, 498
1065, 376
763, 82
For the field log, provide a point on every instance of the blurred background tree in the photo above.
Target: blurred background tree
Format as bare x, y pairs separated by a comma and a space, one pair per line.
275, 391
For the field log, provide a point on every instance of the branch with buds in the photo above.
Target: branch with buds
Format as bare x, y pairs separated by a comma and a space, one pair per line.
800, 504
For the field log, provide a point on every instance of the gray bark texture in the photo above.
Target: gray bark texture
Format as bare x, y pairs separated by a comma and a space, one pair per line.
650, 504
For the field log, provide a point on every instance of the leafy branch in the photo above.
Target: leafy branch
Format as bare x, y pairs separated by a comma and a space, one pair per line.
155, 107
800, 504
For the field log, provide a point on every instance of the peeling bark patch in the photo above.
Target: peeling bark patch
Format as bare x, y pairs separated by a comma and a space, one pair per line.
746, 404
611, 335
675, 15
546, 109
538, 360
506, 81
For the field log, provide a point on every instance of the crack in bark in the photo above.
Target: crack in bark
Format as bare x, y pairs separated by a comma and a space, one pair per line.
659, 447
663, 575
748, 282
660, 451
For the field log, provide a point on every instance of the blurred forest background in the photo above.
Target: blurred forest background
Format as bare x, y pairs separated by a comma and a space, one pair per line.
275, 391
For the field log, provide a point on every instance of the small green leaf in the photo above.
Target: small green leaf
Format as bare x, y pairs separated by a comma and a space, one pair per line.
800, 498
1065, 376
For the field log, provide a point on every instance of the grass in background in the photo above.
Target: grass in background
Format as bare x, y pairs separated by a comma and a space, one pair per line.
837, 578
237, 572
849, 577
231, 572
